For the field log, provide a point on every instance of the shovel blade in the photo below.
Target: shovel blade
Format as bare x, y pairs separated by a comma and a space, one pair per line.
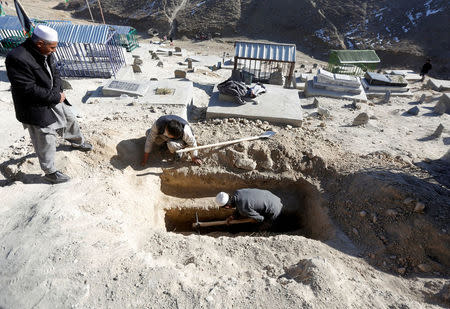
267, 134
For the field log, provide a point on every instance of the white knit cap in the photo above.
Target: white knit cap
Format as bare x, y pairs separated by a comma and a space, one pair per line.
222, 198
46, 33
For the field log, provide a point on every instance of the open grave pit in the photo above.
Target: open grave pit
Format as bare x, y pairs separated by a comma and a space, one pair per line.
191, 195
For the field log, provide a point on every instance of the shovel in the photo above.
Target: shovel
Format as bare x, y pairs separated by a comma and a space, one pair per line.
266, 134
199, 224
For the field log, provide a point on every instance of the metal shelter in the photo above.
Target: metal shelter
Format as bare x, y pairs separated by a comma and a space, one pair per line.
87, 51
126, 37
12, 34
260, 60
352, 62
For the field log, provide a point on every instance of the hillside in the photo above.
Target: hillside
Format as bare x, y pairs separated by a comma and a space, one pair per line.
403, 32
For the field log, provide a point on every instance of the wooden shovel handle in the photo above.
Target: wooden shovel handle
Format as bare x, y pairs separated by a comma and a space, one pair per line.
222, 222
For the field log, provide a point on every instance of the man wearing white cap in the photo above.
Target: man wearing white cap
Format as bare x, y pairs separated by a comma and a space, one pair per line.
39, 101
259, 205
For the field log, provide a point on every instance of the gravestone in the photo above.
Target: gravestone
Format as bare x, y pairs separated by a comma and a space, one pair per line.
115, 88
180, 74
177, 49
136, 68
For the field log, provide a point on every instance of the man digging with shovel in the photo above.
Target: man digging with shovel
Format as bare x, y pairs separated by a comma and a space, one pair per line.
252, 206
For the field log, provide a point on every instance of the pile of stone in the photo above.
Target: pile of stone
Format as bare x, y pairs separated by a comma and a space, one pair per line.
379, 84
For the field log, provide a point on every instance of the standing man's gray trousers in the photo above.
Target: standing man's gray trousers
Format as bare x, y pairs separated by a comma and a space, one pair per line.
44, 140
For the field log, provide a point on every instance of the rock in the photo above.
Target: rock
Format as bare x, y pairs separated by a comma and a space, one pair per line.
387, 97
401, 270
413, 111
315, 65
178, 49
245, 164
374, 218
159, 64
136, 69
315, 103
323, 112
391, 212
355, 231
276, 78
189, 64
422, 98
438, 131
419, 207
180, 74
362, 213
170, 53
155, 56
444, 294
424, 267
361, 119
443, 105
408, 200
65, 84
138, 61
288, 127
153, 78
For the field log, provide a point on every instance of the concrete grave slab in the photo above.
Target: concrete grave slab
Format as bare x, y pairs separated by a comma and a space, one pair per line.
379, 88
175, 93
439, 84
310, 91
206, 60
181, 92
115, 88
277, 105
407, 74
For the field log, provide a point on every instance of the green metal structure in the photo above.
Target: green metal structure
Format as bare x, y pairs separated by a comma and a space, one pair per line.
352, 62
126, 36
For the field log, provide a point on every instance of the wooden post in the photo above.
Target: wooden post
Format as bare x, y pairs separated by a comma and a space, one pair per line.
291, 72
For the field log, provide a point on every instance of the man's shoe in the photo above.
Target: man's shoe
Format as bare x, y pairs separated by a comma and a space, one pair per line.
85, 146
56, 177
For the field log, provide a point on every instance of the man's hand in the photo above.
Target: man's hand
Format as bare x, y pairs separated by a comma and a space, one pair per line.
63, 97
229, 219
197, 161
145, 159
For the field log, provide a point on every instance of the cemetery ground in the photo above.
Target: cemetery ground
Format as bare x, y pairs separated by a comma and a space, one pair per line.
372, 204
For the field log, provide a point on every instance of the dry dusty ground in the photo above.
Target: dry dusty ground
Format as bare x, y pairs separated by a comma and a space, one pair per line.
117, 235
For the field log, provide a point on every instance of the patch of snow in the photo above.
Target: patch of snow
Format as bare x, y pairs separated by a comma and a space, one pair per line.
396, 39
411, 17
321, 35
351, 31
387, 29
431, 11
350, 44
405, 29
200, 3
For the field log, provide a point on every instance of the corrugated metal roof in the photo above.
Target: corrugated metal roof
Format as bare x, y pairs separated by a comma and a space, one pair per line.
357, 56
122, 29
9, 22
265, 51
69, 33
